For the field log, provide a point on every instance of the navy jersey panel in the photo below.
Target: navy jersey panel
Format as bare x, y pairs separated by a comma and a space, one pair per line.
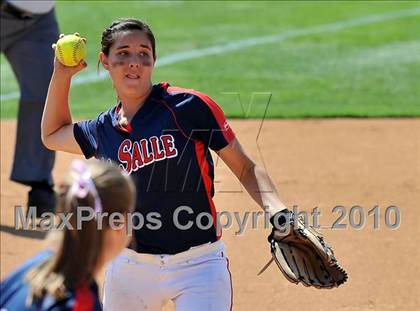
86, 136
14, 292
13, 289
200, 116
165, 148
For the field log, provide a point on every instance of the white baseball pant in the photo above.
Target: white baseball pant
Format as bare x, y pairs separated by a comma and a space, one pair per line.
197, 279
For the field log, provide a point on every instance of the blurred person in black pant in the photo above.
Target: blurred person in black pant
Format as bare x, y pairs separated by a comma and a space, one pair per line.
28, 28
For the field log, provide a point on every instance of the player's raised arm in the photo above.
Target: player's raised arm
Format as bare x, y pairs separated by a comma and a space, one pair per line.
57, 124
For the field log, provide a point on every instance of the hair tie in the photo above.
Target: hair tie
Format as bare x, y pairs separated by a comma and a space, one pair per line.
83, 184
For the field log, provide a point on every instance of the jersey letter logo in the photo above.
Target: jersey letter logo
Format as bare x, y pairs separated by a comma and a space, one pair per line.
135, 155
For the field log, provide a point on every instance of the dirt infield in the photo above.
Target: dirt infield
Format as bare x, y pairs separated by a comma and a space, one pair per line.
314, 163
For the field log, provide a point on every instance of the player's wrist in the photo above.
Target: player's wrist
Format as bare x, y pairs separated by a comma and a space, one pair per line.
62, 73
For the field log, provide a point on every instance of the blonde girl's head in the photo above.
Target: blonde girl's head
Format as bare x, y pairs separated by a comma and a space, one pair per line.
99, 187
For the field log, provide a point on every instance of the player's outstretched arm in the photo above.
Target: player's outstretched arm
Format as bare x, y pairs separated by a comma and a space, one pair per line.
56, 124
255, 180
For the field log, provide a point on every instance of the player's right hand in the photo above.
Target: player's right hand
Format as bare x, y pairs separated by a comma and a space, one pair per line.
59, 68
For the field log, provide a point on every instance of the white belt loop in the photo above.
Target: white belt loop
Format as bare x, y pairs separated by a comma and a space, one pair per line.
163, 260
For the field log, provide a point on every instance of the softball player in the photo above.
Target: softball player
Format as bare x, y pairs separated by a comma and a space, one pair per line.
62, 277
161, 135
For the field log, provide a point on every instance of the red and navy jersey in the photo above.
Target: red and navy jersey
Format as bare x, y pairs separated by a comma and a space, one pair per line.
14, 293
165, 148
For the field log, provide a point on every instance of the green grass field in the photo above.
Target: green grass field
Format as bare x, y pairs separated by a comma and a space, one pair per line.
329, 59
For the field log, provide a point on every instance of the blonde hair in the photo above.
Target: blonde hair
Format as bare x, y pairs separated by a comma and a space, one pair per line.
78, 250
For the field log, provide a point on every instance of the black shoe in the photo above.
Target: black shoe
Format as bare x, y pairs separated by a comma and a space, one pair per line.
43, 198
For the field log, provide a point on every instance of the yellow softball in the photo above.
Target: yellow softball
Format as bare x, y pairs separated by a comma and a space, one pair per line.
70, 49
